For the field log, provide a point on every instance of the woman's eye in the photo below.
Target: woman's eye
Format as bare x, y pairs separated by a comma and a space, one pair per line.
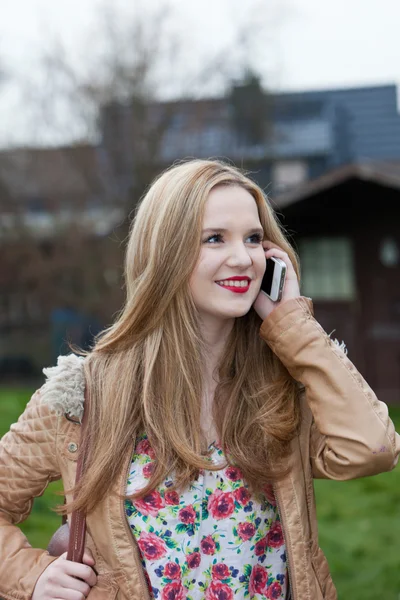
256, 238
214, 239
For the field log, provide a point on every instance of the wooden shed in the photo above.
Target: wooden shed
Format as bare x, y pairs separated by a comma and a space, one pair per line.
346, 225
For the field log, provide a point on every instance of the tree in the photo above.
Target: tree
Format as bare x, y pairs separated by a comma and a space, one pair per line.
114, 108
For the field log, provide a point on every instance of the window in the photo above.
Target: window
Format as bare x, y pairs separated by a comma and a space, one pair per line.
327, 268
12, 308
36, 204
19, 308
287, 174
177, 121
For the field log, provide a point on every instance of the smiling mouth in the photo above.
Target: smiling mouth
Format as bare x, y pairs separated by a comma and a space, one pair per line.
238, 286
234, 283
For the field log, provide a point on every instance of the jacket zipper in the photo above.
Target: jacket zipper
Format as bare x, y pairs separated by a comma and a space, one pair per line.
286, 538
129, 532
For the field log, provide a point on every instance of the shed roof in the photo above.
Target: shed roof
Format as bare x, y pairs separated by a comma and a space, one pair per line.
386, 174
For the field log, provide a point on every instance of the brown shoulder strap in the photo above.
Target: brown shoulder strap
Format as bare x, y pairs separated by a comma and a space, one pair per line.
77, 532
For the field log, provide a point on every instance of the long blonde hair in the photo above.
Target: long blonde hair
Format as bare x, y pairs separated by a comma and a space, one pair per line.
144, 372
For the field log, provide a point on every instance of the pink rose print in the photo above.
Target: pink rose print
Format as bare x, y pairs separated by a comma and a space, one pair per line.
207, 545
269, 494
242, 495
148, 470
193, 560
172, 571
260, 547
274, 591
171, 497
144, 447
187, 514
275, 536
174, 591
221, 504
258, 580
219, 591
151, 546
150, 504
246, 531
233, 473
220, 571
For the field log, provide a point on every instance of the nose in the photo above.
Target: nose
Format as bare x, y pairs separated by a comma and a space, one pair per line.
239, 257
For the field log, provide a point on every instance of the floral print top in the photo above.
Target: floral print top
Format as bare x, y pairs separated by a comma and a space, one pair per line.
212, 542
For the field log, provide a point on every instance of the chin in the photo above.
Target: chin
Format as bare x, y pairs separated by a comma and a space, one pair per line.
236, 313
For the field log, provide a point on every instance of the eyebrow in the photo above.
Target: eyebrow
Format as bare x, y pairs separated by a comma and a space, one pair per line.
222, 230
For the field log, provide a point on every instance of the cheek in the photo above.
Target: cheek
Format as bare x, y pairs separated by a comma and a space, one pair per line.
199, 274
205, 268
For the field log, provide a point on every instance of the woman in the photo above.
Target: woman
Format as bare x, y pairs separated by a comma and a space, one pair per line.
212, 408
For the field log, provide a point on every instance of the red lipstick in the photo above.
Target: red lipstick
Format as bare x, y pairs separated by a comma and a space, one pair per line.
235, 289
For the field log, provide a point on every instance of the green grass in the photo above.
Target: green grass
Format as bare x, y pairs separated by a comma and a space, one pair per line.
359, 525
359, 522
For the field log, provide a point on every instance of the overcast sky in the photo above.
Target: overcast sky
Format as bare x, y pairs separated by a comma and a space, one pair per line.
311, 44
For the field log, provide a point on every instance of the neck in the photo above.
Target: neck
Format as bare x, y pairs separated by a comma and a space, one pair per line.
215, 334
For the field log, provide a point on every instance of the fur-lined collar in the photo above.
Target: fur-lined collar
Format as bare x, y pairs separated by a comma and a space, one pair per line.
64, 389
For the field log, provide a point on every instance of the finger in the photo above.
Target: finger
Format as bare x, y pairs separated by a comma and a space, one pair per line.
74, 585
66, 594
275, 249
277, 253
272, 247
88, 558
268, 244
84, 572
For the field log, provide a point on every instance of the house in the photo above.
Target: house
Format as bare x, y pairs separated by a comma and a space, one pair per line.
42, 188
346, 226
56, 214
283, 139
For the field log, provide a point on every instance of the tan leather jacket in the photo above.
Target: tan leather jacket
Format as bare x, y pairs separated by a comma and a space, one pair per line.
345, 433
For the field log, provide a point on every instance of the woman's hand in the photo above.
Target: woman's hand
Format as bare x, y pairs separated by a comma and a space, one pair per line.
66, 580
263, 305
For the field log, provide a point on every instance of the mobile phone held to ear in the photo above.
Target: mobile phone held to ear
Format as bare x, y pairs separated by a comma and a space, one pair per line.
274, 278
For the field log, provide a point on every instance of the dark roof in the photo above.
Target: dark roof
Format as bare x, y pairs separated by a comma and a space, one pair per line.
386, 174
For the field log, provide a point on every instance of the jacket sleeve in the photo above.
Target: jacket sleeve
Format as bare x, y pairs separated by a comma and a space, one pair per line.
352, 434
27, 464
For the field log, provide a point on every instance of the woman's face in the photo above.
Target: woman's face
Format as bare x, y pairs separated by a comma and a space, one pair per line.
228, 274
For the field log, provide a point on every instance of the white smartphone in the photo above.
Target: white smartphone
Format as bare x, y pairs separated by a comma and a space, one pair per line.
274, 278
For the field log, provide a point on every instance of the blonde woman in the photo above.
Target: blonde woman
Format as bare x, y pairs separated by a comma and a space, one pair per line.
211, 412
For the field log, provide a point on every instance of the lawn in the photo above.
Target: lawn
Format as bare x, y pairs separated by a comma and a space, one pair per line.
359, 522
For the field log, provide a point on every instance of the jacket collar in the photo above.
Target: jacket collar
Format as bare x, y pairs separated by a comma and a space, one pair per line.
64, 389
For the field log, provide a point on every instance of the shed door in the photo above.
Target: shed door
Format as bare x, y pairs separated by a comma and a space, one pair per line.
380, 286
